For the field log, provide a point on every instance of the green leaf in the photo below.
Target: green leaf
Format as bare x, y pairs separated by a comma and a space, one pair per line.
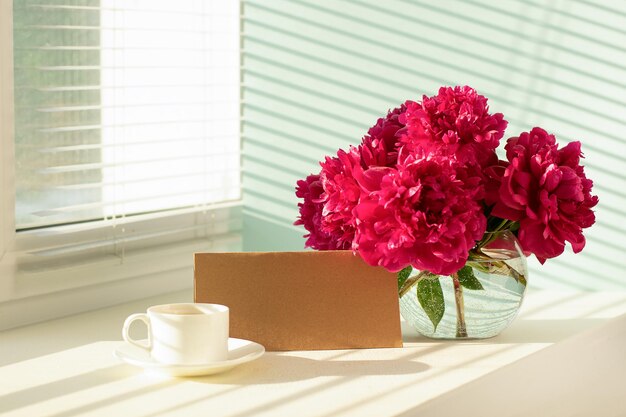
468, 279
430, 297
403, 276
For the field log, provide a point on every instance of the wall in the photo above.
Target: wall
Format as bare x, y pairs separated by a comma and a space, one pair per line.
317, 74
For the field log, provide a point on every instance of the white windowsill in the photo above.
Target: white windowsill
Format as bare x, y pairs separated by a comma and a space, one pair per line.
59, 285
562, 356
35, 297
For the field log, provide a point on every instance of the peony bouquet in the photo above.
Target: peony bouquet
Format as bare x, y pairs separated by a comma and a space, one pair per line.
426, 190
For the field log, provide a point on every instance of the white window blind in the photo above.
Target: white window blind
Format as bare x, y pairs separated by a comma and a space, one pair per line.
126, 125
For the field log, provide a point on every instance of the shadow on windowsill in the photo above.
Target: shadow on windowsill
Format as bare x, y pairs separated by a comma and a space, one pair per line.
275, 367
520, 331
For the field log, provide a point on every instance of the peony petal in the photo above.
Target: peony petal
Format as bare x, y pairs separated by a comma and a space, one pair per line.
533, 238
551, 178
505, 212
370, 179
570, 186
570, 154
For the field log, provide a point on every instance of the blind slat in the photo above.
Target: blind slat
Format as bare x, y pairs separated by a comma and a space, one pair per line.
117, 125
75, 248
127, 106
100, 166
61, 88
73, 148
99, 185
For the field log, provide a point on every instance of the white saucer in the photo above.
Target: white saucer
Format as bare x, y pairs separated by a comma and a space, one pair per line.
239, 351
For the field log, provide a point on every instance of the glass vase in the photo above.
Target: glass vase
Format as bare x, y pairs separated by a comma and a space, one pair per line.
479, 301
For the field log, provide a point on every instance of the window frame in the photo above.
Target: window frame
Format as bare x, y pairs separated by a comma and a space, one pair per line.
7, 197
47, 294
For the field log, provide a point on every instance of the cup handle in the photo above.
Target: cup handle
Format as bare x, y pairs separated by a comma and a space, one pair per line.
125, 330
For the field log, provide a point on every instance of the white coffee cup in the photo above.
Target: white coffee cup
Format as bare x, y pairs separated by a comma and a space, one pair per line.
184, 334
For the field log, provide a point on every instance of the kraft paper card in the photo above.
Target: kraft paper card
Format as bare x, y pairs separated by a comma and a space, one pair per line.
302, 300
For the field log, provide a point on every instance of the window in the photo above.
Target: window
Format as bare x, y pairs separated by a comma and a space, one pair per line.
123, 108
126, 133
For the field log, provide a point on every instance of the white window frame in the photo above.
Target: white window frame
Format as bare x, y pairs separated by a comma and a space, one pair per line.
33, 297
7, 213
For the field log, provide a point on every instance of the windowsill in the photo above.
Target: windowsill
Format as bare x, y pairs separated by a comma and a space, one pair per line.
71, 288
564, 345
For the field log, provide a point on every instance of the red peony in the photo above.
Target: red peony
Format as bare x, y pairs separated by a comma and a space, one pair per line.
311, 208
379, 146
418, 189
425, 213
456, 122
492, 176
341, 194
546, 190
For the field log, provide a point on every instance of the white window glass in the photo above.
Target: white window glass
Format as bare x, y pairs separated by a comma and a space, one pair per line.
124, 107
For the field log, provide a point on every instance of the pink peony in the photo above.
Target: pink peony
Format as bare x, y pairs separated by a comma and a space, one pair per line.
492, 176
425, 213
341, 194
417, 189
546, 190
311, 208
456, 122
379, 146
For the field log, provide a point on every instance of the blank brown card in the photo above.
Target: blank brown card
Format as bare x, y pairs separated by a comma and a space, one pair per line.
302, 300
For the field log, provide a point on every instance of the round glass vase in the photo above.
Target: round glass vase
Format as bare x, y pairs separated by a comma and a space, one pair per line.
477, 302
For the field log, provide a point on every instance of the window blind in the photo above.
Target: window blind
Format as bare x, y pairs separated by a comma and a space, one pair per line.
127, 125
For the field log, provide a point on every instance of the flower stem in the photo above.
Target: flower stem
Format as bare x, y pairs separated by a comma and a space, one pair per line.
461, 331
495, 267
491, 235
